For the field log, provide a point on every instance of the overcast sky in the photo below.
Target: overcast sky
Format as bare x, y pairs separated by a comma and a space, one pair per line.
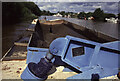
108, 7
61, 0
74, 0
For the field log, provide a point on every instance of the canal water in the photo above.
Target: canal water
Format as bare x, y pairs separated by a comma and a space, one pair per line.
108, 28
12, 32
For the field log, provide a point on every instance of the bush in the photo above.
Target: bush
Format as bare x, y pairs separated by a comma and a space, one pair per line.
99, 14
119, 16
14, 12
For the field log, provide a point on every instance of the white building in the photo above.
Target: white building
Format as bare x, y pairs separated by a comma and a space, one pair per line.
68, 16
58, 15
90, 18
112, 20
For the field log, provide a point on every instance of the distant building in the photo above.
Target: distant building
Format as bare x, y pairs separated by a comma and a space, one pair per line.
91, 18
114, 20
78, 13
58, 15
65, 16
68, 16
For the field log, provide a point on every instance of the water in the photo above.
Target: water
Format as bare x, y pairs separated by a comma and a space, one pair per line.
110, 29
11, 33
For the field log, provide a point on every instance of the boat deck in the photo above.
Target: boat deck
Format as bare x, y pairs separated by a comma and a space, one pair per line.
13, 69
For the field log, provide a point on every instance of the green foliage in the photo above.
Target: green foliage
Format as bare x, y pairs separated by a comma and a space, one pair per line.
63, 13
81, 15
89, 14
14, 12
74, 15
109, 15
99, 14
25, 11
33, 7
119, 16
44, 12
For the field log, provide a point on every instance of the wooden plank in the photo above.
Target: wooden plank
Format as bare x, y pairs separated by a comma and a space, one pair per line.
30, 29
13, 58
7, 53
20, 44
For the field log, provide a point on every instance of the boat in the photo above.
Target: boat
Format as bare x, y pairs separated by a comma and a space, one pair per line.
38, 44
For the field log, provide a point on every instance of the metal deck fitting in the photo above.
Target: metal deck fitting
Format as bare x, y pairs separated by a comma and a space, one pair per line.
84, 55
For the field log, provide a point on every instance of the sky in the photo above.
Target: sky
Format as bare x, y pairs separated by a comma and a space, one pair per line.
61, 0
108, 7
74, 0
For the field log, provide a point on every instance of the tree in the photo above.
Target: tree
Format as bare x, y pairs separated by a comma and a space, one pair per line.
119, 16
98, 14
33, 7
44, 12
20, 11
81, 15
89, 14
62, 13
109, 15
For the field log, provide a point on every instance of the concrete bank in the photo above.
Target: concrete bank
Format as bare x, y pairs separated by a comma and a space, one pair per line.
90, 34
